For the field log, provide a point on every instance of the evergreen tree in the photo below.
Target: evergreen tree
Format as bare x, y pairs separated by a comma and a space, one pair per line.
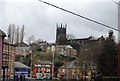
108, 59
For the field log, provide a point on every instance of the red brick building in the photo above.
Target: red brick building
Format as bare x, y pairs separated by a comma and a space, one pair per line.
23, 49
8, 60
43, 69
66, 50
2, 35
70, 70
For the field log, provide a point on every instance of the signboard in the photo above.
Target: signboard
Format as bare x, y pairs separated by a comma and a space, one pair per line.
43, 69
21, 72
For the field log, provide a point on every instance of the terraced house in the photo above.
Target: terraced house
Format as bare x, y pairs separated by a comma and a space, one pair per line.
2, 35
70, 70
8, 60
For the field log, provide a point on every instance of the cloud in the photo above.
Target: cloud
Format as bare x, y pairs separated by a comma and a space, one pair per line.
40, 19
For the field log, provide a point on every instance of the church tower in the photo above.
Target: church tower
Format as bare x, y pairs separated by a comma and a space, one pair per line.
61, 34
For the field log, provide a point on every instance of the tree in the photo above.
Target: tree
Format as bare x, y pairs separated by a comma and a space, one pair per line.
27, 60
108, 60
70, 36
18, 57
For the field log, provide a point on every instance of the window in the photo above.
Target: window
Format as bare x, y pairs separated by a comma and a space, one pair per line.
48, 70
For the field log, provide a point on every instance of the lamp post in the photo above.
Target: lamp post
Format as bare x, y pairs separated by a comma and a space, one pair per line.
92, 68
31, 65
53, 51
85, 70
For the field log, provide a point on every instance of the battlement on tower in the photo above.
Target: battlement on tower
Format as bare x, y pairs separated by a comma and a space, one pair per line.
59, 26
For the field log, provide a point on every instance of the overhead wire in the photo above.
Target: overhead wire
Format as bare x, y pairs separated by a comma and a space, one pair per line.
107, 26
115, 2
118, 7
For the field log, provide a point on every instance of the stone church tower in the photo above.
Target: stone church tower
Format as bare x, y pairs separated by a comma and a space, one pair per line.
61, 34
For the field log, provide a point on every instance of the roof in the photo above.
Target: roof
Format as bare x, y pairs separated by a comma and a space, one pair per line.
22, 45
102, 38
94, 38
21, 65
45, 62
7, 42
62, 46
69, 65
2, 33
81, 39
69, 47
52, 43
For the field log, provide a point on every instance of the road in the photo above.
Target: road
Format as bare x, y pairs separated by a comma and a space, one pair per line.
54, 80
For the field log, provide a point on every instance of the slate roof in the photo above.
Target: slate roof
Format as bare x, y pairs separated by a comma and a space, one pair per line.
69, 47
2, 33
69, 65
45, 62
21, 65
22, 45
7, 42
81, 39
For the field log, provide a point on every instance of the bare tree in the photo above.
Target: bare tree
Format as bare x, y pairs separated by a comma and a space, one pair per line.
13, 33
22, 34
17, 35
9, 33
70, 36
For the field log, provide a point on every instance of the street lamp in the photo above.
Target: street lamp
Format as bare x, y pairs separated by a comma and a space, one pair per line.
53, 51
84, 65
31, 65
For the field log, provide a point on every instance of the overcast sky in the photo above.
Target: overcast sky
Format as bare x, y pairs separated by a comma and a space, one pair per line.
40, 19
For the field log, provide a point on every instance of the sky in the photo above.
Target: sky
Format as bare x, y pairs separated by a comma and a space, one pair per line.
40, 19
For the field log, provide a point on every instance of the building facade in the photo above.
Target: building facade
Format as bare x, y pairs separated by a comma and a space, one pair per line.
22, 49
119, 21
22, 71
61, 38
43, 70
2, 35
39, 45
119, 40
9, 52
70, 71
66, 50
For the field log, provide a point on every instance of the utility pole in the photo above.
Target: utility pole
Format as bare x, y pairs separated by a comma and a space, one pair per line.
53, 52
31, 65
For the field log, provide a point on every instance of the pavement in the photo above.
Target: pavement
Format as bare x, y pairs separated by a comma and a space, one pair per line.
104, 79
